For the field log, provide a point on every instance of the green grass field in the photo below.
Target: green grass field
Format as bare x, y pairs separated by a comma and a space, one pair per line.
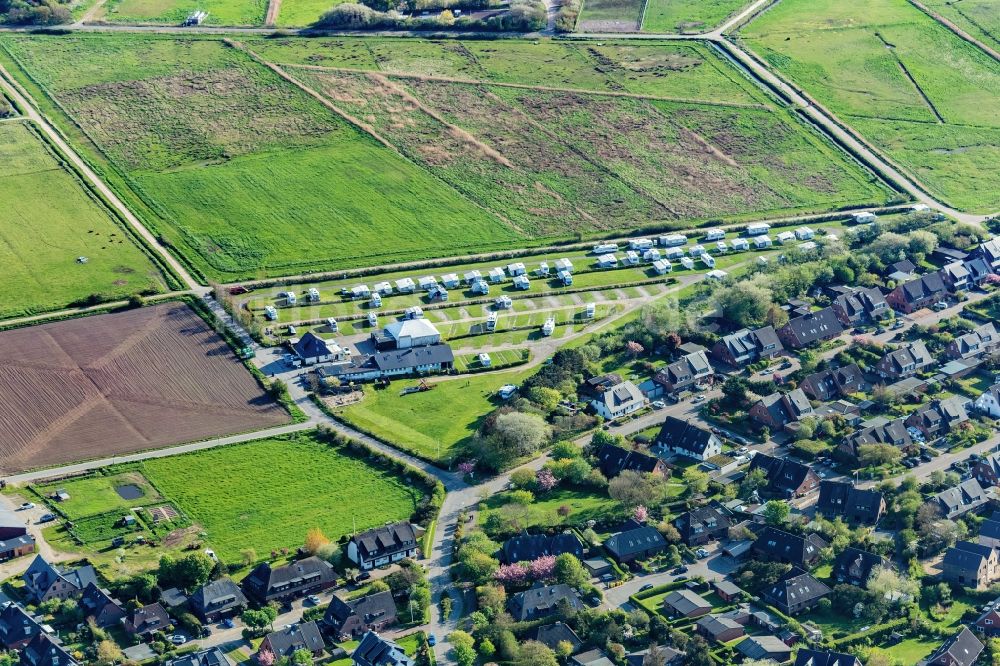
174, 12
979, 18
301, 13
92, 495
433, 424
50, 220
543, 512
688, 16
610, 16
913, 88
273, 491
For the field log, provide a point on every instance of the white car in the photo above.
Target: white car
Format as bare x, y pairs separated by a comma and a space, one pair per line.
27, 505
177, 639
701, 552
658, 404
698, 399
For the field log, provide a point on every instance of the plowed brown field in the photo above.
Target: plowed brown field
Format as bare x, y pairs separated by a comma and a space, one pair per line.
119, 383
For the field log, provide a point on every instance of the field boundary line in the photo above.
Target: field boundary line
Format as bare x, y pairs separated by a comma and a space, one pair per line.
906, 72
273, 8
8, 83
365, 127
523, 86
961, 34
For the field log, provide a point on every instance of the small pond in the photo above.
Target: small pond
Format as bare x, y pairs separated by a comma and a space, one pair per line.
129, 491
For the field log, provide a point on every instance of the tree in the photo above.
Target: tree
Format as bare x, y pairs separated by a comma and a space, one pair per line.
259, 620
511, 436
696, 480
669, 532
632, 488
888, 584
634, 349
462, 646
523, 478
188, 572
569, 571
879, 454
776, 512
546, 480
698, 653
108, 652
533, 653
315, 539
735, 389
744, 303
546, 398
302, 657
265, 657
446, 17
487, 649
752, 482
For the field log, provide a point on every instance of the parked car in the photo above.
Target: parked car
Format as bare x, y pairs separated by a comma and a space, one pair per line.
701, 552
658, 404
27, 505
898, 325
680, 570
698, 399
432, 640
177, 639
228, 623
926, 457
647, 586
364, 575
313, 599
47, 518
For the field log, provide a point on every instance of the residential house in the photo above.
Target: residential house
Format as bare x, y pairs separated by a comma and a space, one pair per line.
988, 402
218, 599
785, 477
978, 269
17, 626
408, 333
977, 343
147, 620
777, 545
727, 591
890, 432
962, 649
593, 657
989, 533
960, 500
685, 603
918, 293
688, 371
719, 629
905, 361
552, 635
987, 469
294, 637
971, 565
596, 386
349, 619
855, 505
747, 346
374, 650
297, 579
778, 410
939, 417
834, 383
312, 349
44, 581
686, 438
667, 656
613, 460
810, 328
526, 547
810, 657
796, 592
15, 541
990, 252
99, 605
634, 541
213, 656
989, 622
855, 566
764, 647
619, 400
860, 305
701, 525
542, 601
383, 545
956, 276
45, 650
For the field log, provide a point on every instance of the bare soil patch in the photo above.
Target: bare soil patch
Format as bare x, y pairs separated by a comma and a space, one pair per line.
119, 383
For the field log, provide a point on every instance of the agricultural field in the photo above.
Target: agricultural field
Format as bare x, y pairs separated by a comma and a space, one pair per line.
51, 220
610, 16
919, 93
275, 490
119, 383
174, 12
302, 13
979, 18
467, 146
688, 16
102, 493
420, 423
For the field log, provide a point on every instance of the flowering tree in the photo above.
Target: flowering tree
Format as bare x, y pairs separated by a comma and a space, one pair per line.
634, 348
640, 513
546, 481
265, 658
544, 567
512, 574
467, 467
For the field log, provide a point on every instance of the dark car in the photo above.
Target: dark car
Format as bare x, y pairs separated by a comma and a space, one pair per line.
364, 575
647, 586
680, 570
47, 518
926, 457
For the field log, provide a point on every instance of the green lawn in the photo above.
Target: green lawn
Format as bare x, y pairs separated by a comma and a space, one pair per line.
610, 16
92, 495
267, 494
979, 18
543, 512
913, 88
433, 424
49, 221
174, 12
688, 16
300, 13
